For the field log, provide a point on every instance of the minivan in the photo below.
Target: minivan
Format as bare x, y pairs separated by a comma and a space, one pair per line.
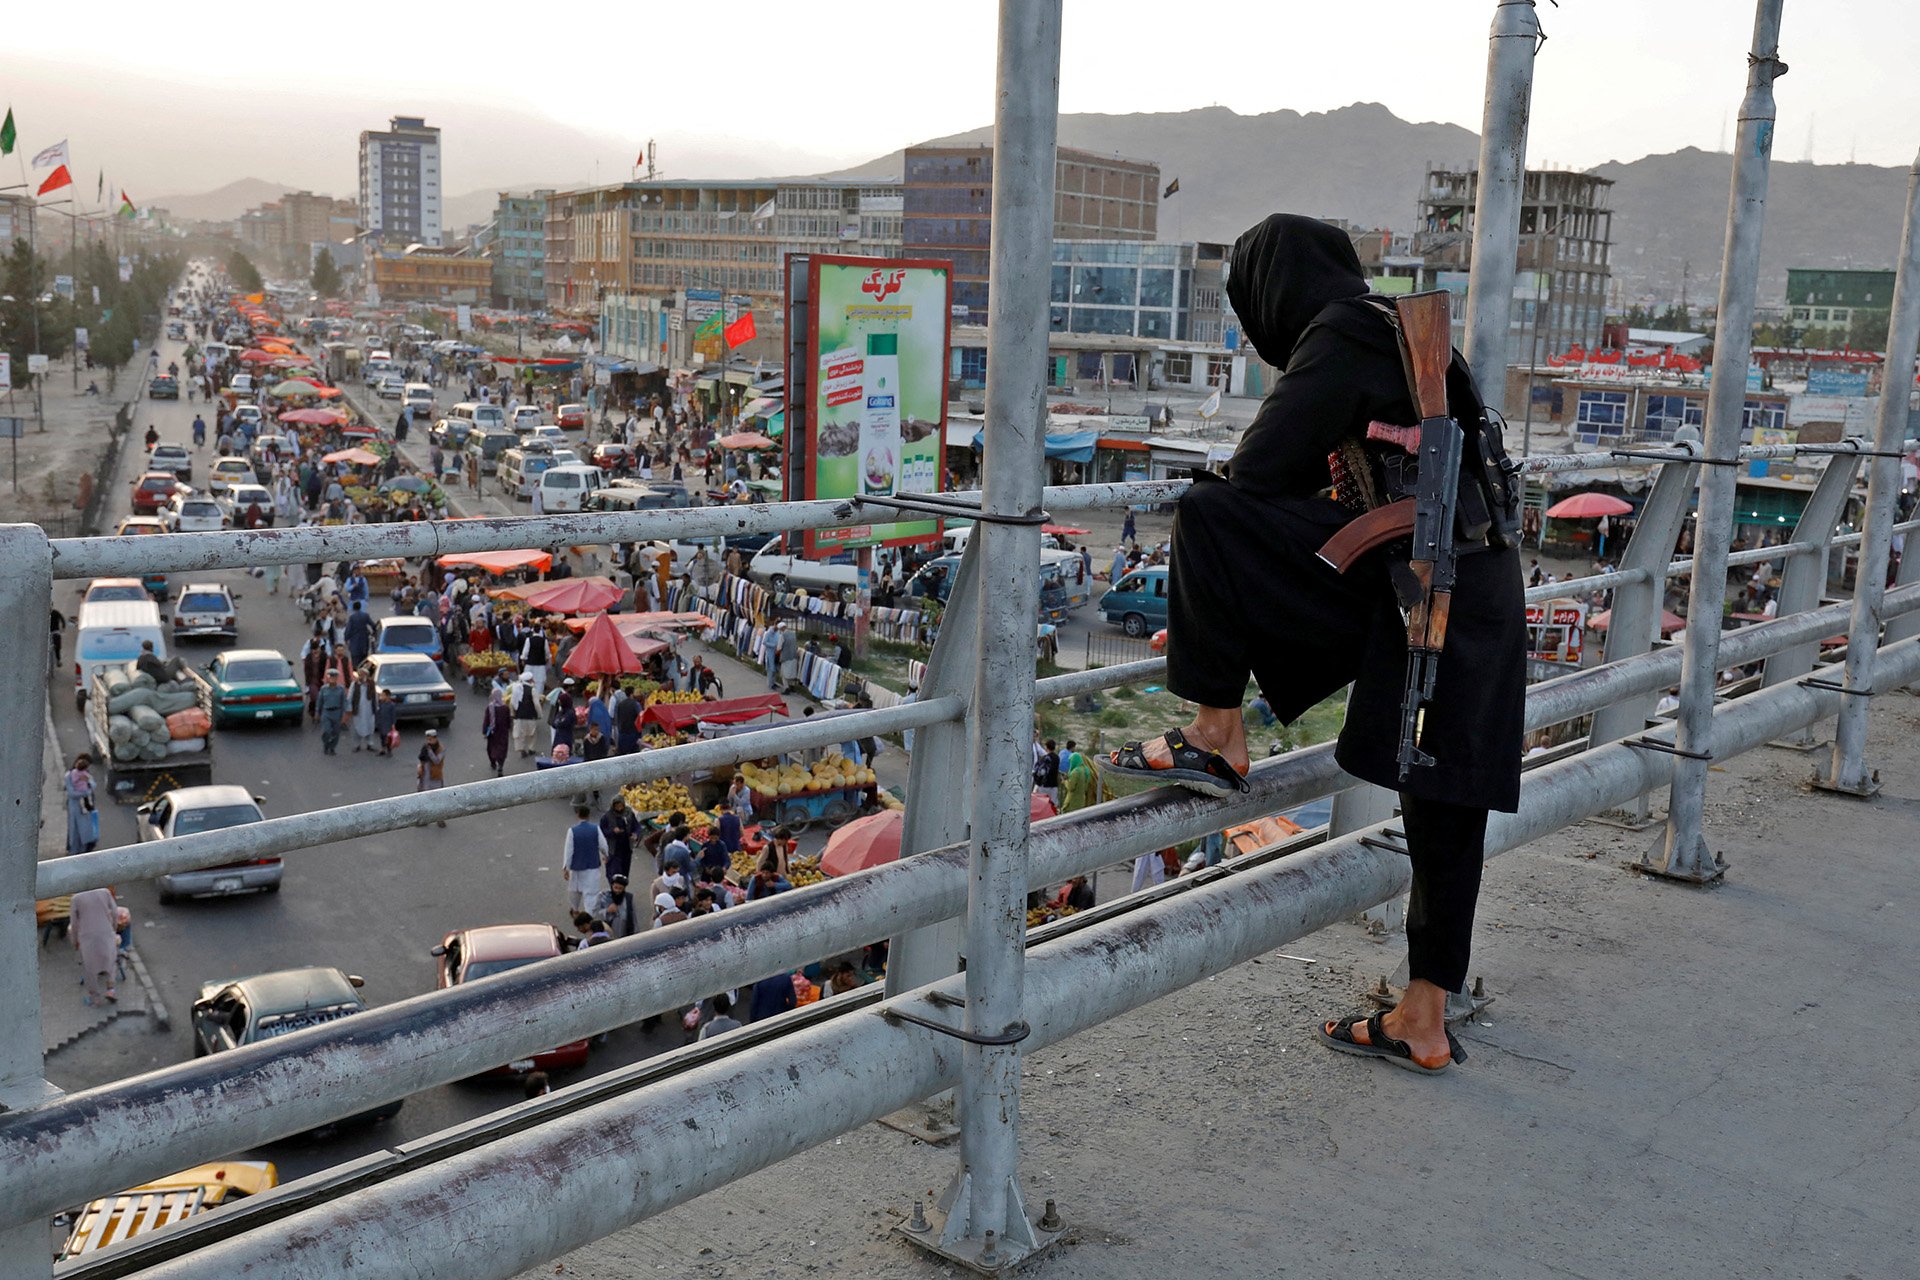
565, 488
520, 469
418, 396
110, 634
1138, 602
487, 417
490, 445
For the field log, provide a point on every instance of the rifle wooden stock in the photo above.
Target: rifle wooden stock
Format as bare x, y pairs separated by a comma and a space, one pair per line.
1361, 535
1426, 332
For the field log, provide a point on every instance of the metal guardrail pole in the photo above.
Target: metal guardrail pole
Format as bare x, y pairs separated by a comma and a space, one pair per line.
1907, 626
26, 588
1848, 770
1682, 852
939, 792
986, 1218
1803, 578
1496, 209
1639, 604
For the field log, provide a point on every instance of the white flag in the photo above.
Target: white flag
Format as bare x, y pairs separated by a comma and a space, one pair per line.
764, 212
1211, 405
51, 156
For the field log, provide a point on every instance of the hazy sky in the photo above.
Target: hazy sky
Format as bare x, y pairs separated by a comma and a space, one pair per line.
172, 101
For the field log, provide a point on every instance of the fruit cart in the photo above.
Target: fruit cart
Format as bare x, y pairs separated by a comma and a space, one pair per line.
832, 791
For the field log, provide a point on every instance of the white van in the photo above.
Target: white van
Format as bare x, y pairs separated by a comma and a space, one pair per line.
778, 571
519, 470
418, 396
110, 633
486, 417
565, 488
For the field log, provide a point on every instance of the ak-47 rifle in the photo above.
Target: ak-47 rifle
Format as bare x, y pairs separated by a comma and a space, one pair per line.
1423, 583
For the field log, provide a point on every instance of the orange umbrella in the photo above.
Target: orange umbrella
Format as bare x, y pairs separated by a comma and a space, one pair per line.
1669, 622
864, 842
575, 595
359, 457
316, 417
744, 440
603, 651
499, 561
253, 355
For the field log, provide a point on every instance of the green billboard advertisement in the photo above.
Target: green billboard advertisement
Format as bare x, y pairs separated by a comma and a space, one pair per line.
877, 333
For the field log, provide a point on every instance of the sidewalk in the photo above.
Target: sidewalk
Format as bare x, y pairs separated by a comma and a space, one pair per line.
1673, 1082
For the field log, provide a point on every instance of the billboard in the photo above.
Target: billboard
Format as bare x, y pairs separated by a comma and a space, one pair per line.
1556, 631
1835, 382
876, 354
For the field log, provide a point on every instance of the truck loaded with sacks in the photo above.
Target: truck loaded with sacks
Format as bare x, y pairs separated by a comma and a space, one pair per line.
152, 735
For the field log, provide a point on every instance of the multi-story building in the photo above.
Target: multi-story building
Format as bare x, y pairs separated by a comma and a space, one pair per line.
1566, 243
422, 274
556, 273
1139, 288
1821, 299
519, 250
400, 183
948, 208
16, 219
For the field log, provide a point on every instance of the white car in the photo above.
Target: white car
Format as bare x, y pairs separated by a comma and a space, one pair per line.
392, 387
419, 397
540, 431
230, 471
187, 811
249, 414
205, 611
241, 496
171, 457
526, 418
195, 513
781, 572
242, 384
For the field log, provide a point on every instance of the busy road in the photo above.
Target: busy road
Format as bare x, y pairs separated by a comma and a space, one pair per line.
373, 907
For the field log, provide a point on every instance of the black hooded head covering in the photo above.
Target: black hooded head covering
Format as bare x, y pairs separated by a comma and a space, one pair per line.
1282, 273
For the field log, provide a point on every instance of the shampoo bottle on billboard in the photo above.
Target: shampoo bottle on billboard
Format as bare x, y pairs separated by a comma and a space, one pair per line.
880, 423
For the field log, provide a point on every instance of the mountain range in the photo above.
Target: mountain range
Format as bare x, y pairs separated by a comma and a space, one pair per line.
1366, 165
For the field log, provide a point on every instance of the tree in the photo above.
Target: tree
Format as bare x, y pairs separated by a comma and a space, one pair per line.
246, 277
1868, 330
326, 276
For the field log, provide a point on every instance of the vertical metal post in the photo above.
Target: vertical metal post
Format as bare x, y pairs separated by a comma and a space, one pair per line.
939, 791
986, 1218
1804, 577
1496, 207
1907, 625
1637, 606
26, 592
1682, 852
1848, 771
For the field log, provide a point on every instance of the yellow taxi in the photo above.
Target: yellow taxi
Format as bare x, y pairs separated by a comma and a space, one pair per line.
113, 1219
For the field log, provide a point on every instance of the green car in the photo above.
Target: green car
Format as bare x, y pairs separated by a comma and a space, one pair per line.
254, 684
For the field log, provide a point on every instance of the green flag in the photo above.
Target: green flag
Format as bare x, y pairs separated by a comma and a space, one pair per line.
709, 328
8, 134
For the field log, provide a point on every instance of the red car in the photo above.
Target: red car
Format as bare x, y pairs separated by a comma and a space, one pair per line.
612, 456
467, 954
571, 415
153, 491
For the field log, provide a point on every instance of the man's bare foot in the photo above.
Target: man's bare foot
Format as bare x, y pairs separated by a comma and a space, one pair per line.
1428, 1043
1230, 744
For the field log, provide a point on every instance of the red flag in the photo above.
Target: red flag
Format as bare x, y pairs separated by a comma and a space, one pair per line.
741, 331
57, 179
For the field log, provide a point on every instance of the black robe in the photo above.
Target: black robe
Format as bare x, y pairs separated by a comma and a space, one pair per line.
1248, 594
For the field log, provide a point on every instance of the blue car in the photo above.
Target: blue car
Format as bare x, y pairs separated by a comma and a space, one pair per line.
409, 635
1138, 602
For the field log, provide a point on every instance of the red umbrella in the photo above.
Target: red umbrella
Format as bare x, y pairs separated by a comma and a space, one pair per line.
1588, 506
253, 355
316, 417
744, 440
1669, 622
602, 651
575, 595
870, 841
1063, 530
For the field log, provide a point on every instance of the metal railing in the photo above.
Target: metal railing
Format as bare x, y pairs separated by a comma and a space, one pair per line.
969, 854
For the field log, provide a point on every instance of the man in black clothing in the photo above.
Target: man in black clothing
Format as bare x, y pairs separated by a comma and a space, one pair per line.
1249, 595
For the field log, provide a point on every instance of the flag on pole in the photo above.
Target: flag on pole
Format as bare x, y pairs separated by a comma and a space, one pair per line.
1211, 405
764, 212
100, 188
126, 209
53, 155
640, 161
57, 179
8, 135
710, 327
741, 331
1172, 188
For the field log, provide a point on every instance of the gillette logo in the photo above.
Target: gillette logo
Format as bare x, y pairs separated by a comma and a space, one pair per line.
884, 283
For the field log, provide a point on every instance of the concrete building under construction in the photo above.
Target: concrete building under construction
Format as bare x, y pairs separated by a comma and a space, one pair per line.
1566, 244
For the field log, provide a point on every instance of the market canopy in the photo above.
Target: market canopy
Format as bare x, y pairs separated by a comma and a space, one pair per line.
316, 417
499, 561
1588, 506
1066, 446
253, 355
674, 716
744, 440
576, 595
603, 651
293, 387
640, 624
359, 457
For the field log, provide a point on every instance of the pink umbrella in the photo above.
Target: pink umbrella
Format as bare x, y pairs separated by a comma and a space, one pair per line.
1669, 622
1588, 506
575, 595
